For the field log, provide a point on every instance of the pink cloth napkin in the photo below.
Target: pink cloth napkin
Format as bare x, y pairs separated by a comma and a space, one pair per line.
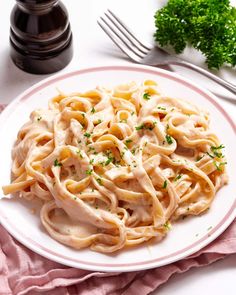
25, 272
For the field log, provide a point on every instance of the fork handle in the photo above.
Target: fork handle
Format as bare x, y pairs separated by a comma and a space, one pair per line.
229, 86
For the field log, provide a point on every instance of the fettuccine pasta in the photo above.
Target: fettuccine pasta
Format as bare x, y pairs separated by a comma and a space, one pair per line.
114, 167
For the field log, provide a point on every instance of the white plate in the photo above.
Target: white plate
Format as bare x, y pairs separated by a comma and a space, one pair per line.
186, 237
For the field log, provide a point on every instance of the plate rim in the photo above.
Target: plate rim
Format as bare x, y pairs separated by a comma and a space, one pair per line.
111, 267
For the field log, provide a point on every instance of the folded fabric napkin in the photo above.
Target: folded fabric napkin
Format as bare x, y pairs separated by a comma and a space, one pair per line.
25, 272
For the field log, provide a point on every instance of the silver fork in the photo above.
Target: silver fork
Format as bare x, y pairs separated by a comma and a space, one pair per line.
143, 53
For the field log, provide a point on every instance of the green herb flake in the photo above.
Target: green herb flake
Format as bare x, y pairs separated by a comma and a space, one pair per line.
39, 118
79, 153
91, 161
86, 134
169, 139
211, 156
178, 177
219, 165
140, 127
161, 108
93, 110
99, 181
199, 158
57, 164
128, 141
132, 113
217, 151
167, 225
164, 184
99, 121
122, 154
209, 228
91, 149
146, 96
133, 151
89, 171
108, 161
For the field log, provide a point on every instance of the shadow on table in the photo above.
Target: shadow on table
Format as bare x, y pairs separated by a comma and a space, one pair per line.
13, 80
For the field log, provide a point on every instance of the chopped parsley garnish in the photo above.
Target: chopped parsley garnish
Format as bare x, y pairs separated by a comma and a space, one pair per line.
91, 161
161, 108
57, 164
147, 126
178, 177
79, 141
79, 153
99, 181
146, 96
132, 113
93, 110
209, 228
123, 121
140, 127
133, 151
83, 114
99, 121
167, 225
89, 171
39, 118
86, 134
211, 156
128, 141
91, 149
164, 184
199, 158
75, 198
169, 139
108, 161
217, 151
219, 165
122, 154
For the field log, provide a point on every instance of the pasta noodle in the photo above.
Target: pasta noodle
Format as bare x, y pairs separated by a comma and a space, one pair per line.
114, 167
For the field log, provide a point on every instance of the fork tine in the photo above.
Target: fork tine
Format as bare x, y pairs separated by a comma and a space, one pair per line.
145, 46
119, 35
122, 46
126, 33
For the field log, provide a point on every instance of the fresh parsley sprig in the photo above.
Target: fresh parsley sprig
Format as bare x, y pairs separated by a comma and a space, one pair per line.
209, 26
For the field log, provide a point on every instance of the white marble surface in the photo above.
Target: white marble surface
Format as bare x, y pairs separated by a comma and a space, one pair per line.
91, 48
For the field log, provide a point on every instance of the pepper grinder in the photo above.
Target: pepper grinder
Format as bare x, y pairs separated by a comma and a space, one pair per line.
40, 36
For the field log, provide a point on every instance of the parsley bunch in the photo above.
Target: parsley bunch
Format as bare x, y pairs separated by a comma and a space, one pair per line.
207, 25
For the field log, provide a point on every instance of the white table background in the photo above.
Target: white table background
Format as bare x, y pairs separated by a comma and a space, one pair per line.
93, 48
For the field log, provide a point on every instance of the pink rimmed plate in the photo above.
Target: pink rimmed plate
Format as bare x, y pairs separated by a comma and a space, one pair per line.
186, 237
